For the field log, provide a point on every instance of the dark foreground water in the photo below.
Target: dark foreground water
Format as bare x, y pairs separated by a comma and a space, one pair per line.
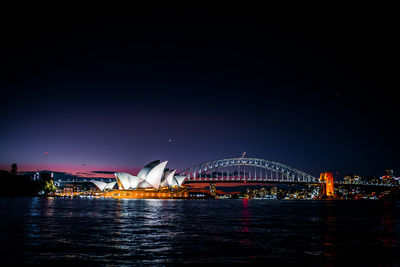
170, 232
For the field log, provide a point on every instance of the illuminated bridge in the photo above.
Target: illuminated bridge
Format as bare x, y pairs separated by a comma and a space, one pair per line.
246, 169
239, 170
256, 170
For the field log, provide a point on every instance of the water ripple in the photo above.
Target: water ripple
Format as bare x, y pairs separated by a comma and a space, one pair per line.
170, 232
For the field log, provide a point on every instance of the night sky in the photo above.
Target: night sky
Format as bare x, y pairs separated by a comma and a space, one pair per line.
313, 87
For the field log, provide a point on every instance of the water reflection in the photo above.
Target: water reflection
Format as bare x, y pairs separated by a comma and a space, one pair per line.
138, 232
329, 236
32, 228
245, 225
47, 207
387, 225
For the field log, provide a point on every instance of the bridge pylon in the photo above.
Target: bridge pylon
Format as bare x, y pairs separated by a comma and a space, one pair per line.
328, 188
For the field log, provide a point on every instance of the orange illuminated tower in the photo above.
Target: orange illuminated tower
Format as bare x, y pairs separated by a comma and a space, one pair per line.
327, 177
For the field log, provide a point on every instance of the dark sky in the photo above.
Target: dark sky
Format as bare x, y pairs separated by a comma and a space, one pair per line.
313, 87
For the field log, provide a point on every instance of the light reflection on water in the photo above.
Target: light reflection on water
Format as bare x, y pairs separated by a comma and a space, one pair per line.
118, 231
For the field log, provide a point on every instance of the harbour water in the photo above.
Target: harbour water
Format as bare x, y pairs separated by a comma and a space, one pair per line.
173, 232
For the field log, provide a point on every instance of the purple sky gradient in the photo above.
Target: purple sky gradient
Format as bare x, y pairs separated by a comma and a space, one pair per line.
116, 92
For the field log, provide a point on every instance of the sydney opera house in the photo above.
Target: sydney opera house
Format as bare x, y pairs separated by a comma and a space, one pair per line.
153, 176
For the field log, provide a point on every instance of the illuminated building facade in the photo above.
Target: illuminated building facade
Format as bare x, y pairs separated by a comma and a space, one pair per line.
352, 178
389, 177
152, 176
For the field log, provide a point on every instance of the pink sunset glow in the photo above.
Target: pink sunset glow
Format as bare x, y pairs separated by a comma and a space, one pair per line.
78, 170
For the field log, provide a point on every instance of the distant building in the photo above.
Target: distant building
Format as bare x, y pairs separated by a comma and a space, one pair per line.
389, 177
274, 190
43, 176
36, 176
352, 178
389, 173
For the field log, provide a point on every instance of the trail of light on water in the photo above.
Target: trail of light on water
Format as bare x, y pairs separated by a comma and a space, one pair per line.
137, 232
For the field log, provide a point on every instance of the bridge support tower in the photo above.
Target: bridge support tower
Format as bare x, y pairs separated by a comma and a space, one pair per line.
328, 189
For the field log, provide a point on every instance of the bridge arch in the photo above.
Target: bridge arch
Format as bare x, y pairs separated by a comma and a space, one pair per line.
229, 169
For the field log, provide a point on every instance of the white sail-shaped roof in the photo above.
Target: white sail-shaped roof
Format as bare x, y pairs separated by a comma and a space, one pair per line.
164, 183
145, 184
146, 169
110, 185
155, 175
178, 180
170, 178
101, 185
127, 180
167, 178
122, 177
134, 181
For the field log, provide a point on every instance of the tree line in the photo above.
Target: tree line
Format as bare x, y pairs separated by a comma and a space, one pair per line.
22, 185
